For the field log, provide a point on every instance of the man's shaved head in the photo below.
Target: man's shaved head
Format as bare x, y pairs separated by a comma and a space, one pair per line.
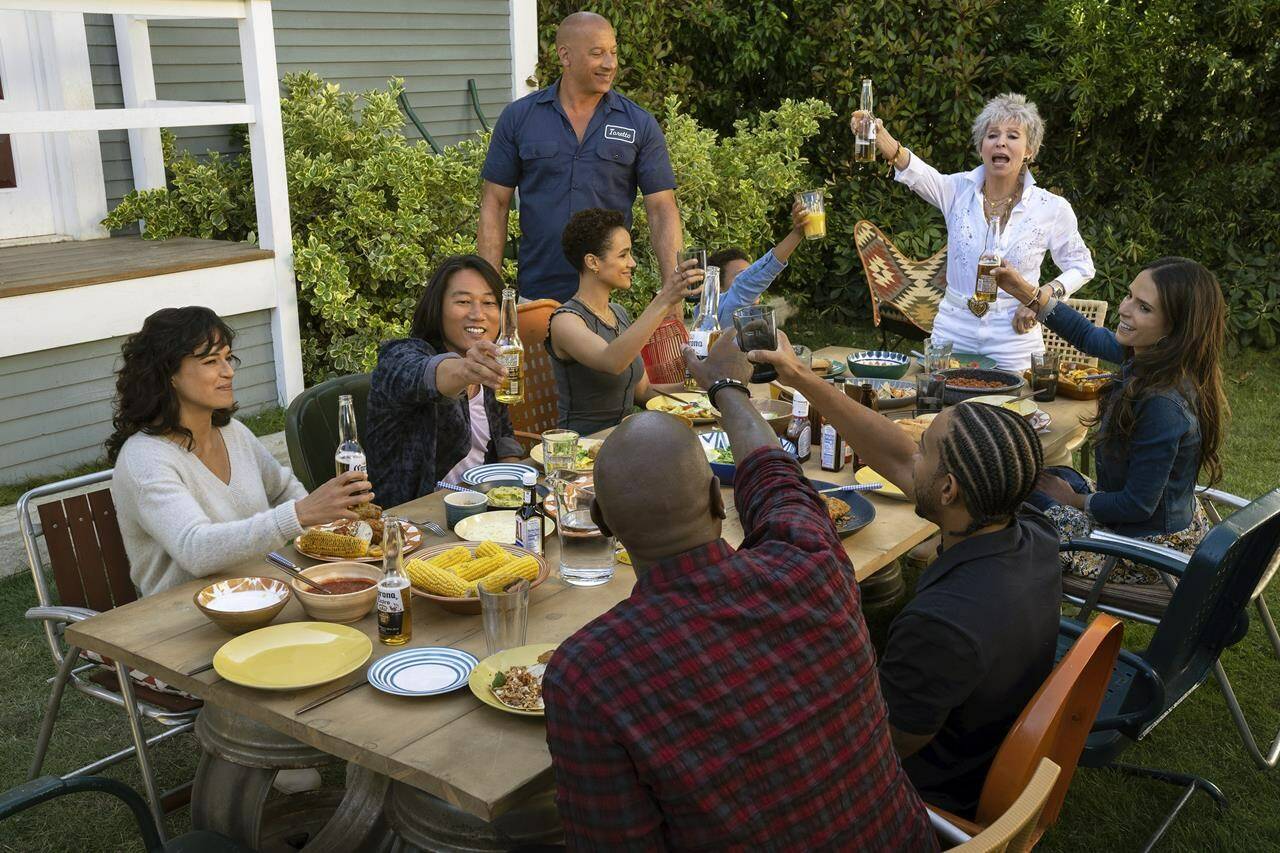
588, 51
578, 24
654, 488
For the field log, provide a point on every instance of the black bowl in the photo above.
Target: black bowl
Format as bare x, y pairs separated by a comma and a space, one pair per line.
1009, 383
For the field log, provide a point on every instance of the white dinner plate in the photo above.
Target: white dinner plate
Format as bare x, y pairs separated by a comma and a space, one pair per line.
426, 671
497, 472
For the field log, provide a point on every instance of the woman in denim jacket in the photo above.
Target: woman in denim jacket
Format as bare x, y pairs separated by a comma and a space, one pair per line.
432, 413
1159, 426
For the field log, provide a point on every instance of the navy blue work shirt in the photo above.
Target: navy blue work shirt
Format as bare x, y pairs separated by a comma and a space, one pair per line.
535, 149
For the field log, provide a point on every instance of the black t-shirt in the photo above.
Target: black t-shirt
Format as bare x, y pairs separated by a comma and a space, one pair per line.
970, 650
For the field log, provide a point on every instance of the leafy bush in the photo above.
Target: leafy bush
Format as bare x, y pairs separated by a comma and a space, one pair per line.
1162, 116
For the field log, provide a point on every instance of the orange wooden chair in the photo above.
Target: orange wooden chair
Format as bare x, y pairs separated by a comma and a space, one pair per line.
538, 412
1017, 828
1054, 725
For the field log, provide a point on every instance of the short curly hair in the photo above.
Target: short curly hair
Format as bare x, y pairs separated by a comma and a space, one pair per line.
588, 233
1010, 107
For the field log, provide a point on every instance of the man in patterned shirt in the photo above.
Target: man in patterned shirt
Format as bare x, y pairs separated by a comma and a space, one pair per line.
731, 702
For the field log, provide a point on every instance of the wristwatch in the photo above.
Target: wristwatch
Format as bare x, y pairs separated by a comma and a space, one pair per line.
721, 384
1058, 289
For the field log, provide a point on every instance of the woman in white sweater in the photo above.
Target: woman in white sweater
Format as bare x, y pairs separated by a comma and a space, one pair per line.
195, 491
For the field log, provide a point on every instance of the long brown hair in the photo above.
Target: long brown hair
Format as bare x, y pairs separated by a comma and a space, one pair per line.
1187, 360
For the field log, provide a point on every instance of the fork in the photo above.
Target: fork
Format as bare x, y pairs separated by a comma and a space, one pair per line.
432, 527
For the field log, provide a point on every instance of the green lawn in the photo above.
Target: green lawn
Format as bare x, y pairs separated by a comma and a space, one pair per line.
1104, 810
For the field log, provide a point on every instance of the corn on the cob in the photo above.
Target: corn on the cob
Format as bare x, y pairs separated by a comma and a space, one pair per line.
525, 567
450, 558
435, 580
329, 544
490, 549
476, 569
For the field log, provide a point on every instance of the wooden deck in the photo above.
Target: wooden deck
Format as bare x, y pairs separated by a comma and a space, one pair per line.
58, 266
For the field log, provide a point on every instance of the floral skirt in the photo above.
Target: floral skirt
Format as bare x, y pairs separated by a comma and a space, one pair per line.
1072, 523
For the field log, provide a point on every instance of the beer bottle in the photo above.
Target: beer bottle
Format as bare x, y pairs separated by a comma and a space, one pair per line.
510, 352
866, 396
350, 455
864, 146
529, 526
985, 288
706, 322
799, 431
851, 391
395, 608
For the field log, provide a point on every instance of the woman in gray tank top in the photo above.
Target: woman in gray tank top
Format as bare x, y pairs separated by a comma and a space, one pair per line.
593, 343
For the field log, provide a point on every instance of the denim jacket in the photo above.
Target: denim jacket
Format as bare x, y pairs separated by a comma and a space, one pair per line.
748, 286
416, 435
1146, 486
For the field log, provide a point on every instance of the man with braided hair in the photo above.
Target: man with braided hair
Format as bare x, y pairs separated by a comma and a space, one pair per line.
975, 643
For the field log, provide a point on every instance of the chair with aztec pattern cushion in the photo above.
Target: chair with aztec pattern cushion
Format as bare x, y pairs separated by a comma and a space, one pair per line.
905, 293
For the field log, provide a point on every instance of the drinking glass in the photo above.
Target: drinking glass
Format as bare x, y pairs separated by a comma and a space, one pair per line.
1044, 377
757, 328
804, 354
815, 228
937, 355
929, 392
693, 253
586, 554
559, 450
505, 615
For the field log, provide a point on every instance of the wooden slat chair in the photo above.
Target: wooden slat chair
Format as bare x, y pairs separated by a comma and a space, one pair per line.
90, 570
1054, 726
1014, 831
538, 413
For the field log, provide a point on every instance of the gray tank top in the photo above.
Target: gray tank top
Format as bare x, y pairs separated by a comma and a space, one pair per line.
588, 399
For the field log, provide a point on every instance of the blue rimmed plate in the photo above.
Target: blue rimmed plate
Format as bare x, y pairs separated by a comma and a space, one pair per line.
498, 472
424, 671
861, 511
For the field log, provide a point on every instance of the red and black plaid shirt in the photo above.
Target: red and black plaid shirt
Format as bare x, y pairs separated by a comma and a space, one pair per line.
732, 701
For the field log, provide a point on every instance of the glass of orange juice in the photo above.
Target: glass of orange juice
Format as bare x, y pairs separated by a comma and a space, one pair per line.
815, 227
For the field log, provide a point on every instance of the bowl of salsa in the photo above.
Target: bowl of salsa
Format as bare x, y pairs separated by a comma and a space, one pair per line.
350, 591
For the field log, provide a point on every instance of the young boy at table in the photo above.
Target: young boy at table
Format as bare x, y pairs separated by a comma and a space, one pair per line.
975, 643
743, 282
731, 701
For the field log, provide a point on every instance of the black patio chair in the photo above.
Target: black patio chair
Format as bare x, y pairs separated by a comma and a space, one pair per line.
1208, 612
37, 791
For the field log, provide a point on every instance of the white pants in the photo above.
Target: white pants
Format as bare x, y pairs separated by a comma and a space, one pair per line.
991, 335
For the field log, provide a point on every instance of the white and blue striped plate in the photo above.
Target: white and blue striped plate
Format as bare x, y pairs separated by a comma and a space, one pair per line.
422, 672
497, 472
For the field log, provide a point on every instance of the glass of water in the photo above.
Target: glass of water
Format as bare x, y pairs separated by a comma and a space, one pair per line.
505, 615
693, 253
559, 450
937, 355
586, 554
930, 388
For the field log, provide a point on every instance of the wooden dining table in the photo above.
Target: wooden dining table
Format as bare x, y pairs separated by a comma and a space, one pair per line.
418, 767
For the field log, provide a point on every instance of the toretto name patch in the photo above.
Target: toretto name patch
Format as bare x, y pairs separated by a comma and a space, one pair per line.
620, 134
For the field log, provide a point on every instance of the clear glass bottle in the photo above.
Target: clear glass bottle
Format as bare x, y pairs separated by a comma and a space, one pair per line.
984, 289
510, 351
864, 145
705, 330
350, 455
395, 599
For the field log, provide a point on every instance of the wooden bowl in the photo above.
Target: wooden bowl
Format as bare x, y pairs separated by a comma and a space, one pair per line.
776, 413
344, 608
471, 606
242, 621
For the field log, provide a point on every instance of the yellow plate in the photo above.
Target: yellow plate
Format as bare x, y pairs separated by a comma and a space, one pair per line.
1026, 407
495, 526
666, 404
583, 443
292, 656
865, 475
482, 676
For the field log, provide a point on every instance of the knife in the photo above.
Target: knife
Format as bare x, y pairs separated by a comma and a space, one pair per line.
341, 691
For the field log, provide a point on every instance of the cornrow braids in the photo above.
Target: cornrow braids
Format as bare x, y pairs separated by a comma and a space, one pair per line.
995, 456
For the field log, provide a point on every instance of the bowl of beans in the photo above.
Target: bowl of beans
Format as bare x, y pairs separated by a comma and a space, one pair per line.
966, 382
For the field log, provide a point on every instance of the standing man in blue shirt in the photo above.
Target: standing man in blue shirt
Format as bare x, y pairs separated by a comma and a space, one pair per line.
571, 146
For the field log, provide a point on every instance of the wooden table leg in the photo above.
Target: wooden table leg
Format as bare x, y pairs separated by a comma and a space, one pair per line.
422, 822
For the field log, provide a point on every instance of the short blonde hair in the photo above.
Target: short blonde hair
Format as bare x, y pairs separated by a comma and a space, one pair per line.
1010, 107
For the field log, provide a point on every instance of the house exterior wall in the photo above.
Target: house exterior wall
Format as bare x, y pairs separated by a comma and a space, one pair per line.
435, 45
55, 404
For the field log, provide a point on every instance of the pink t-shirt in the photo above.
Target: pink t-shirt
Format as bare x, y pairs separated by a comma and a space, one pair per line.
479, 440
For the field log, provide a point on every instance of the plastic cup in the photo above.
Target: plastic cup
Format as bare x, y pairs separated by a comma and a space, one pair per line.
505, 615
815, 228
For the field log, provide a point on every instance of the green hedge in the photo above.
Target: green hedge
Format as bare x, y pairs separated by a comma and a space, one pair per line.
1163, 117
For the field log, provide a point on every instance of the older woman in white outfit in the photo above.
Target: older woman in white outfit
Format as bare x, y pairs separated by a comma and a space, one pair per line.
1007, 135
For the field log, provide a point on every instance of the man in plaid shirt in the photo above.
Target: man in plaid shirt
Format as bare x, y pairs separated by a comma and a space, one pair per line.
731, 702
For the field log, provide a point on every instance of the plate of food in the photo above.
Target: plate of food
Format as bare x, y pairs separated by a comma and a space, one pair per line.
915, 427
359, 540
971, 359
511, 680
866, 475
586, 458
826, 368
1025, 407
693, 405
497, 525
894, 393
1082, 381
848, 511
449, 574
966, 382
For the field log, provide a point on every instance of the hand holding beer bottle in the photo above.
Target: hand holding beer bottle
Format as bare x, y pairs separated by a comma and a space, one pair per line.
884, 141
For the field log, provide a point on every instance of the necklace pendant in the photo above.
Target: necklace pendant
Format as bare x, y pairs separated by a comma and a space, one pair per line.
977, 308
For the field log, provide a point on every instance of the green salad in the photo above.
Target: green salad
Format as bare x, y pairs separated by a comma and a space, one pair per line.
725, 456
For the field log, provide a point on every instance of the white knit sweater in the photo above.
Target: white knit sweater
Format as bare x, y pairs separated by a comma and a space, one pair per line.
180, 522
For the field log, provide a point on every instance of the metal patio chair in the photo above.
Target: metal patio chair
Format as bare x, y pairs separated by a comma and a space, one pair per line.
90, 571
311, 426
1212, 589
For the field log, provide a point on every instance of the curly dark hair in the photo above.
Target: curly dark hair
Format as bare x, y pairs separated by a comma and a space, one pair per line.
145, 400
588, 233
428, 317
1187, 361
